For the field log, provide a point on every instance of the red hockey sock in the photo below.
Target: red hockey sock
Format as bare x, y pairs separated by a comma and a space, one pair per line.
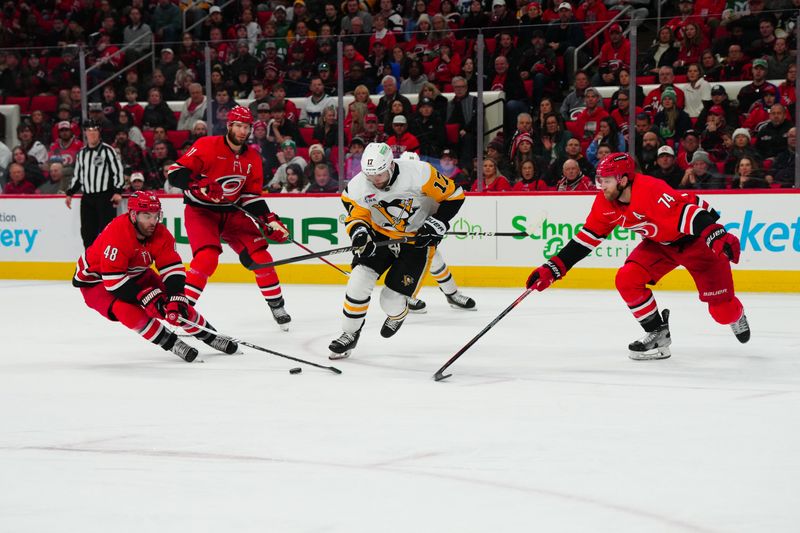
134, 317
726, 312
267, 278
631, 283
203, 264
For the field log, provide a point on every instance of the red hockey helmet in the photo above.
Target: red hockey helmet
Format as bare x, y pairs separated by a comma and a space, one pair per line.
240, 114
144, 202
616, 166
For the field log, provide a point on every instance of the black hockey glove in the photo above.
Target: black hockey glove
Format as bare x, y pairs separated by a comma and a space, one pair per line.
431, 233
362, 239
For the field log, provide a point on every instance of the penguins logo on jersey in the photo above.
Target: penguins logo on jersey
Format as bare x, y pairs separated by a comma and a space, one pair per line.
407, 280
397, 212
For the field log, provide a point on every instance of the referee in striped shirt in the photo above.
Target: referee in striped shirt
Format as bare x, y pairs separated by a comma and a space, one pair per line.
98, 171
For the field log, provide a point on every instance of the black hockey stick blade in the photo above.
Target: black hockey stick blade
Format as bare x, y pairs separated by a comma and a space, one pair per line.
250, 265
260, 348
488, 233
439, 375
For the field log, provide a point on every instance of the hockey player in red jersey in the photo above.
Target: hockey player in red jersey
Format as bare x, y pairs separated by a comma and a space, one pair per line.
215, 173
677, 229
116, 280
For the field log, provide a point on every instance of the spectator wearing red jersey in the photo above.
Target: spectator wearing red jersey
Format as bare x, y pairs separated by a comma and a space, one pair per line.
66, 146
17, 182
493, 181
617, 50
666, 79
401, 140
587, 120
691, 47
685, 16
594, 15
530, 178
572, 179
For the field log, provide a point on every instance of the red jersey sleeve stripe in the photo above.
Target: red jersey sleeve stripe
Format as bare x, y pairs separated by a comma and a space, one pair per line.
114, 282
169, 269
588, 239
687, 217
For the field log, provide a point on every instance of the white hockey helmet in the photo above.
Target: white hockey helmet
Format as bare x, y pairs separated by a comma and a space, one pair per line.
409, 156
376, 159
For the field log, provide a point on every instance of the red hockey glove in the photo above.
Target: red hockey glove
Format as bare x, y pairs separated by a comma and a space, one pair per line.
153, 301
275, 228
545, 275
208, 187
722, 243
177, 307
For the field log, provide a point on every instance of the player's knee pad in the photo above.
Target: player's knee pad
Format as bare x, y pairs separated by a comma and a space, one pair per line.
205, 261
727, 311
631, 281
362, 281
392, 302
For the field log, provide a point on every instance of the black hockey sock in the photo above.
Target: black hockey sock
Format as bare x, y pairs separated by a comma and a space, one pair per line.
653, 322
166, 339
278, 302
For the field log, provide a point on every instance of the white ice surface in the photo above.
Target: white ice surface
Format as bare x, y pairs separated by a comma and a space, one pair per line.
545, 426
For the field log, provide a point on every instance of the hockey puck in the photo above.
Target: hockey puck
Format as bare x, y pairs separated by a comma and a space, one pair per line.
295, 370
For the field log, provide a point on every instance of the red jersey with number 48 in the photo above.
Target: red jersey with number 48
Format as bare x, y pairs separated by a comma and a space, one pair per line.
117, 257
241, 175
656, 212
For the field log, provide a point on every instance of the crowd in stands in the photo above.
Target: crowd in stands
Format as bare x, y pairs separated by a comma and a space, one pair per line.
556, 125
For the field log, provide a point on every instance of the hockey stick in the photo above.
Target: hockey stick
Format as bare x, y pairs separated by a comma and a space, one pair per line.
256, 347
250, 265
438, 376
488, 233
261, 226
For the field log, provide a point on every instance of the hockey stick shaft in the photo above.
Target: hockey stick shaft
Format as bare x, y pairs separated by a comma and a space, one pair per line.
488, 233
315, 255
256, 347
439, 376
261, 224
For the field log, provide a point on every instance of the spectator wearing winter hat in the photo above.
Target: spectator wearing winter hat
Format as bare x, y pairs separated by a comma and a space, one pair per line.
702, 174
741, 148
666, 169
521, 151
671, 122
666, 80
754, 90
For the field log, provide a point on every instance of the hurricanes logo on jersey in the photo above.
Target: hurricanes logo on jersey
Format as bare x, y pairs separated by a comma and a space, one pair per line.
397, 212
231, 185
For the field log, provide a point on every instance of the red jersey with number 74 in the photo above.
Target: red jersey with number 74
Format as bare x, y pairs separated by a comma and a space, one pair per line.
241, 175
656, 212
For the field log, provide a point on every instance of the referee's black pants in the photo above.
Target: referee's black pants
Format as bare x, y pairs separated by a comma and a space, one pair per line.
96, 212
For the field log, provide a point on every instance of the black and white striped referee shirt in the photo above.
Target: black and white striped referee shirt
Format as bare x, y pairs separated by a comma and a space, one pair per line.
97, 170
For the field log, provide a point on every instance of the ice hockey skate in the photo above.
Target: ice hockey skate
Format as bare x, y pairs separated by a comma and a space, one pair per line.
184, 351
741, 328
222, 344
417, 306
655, 344
280, 315
391, 325
342, 347
459, 301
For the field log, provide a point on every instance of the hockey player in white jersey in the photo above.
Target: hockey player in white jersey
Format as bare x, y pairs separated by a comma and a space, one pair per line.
441, 273
390, 199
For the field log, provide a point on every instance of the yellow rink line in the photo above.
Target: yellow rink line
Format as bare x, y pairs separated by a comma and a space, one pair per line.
466, 276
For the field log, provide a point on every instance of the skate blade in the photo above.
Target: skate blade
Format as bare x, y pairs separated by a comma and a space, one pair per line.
335, 356
418, 311
657, 353
454, 306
